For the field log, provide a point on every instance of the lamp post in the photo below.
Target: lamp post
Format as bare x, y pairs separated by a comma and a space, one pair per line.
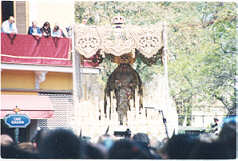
16, 130
163, 118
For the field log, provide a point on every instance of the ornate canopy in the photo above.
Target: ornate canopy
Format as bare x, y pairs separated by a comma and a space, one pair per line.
119, 40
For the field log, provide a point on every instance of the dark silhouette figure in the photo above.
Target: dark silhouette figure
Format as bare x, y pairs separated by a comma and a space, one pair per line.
127, 149
213, 150
60, 144
179, 146
144, 141
14, 152
228, 135
91, 151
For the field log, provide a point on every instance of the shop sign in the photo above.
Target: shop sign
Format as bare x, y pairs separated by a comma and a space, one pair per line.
17, 120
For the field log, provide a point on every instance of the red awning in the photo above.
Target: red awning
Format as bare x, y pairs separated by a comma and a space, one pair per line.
36, 107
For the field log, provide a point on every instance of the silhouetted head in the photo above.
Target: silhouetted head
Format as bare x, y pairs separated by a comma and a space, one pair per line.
142, 138
60, 143
213, 150
39, 136
46, 24
228, 134
91, 151
127, 149
180, 146
229, 130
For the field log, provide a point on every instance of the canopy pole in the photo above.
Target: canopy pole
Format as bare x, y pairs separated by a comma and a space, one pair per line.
236, 77
76, 83
166, 101
165, 56
76, 69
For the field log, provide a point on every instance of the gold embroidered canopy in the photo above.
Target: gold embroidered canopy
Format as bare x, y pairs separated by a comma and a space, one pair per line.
119, 40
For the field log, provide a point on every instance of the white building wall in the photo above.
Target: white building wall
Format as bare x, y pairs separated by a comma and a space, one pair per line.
57, 11
203, 116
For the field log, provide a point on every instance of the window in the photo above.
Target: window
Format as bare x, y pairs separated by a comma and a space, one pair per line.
7, 9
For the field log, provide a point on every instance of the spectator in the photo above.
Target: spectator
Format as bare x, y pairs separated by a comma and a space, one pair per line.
91, 151
46, 31
161, 149
143, 140
34, 29
60, 144
6, 140
127, 149
14, 151
40, 134
214, 126
106, 141
69, 31
180, 146
57, 32
228, 135
214, 150
9, 26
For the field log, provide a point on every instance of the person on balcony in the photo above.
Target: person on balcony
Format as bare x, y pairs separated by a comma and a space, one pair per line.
9, 26
57, 32
34, 29
46, 31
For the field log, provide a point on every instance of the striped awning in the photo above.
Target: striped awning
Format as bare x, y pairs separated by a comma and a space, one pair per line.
34, 106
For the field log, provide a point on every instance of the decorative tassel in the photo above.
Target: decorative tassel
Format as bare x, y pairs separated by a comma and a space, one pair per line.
110, 107
105, 103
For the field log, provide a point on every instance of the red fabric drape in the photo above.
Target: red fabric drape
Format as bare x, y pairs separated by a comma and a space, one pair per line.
27, 49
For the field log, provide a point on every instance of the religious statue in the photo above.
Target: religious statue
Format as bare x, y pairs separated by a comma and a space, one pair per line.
123, 81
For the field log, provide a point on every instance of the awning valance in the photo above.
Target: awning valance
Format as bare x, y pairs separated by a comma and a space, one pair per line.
36, 107
148, 40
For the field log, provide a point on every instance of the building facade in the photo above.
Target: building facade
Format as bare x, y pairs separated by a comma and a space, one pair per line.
28, 76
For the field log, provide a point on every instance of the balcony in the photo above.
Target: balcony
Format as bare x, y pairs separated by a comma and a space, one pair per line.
31, 50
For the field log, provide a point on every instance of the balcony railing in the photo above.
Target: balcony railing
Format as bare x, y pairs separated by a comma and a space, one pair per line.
28, 49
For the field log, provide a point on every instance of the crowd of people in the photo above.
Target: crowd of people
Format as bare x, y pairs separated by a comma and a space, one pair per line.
63, 143
9, 26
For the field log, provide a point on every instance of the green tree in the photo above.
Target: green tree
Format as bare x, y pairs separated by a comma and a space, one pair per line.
205, 69
220, 62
